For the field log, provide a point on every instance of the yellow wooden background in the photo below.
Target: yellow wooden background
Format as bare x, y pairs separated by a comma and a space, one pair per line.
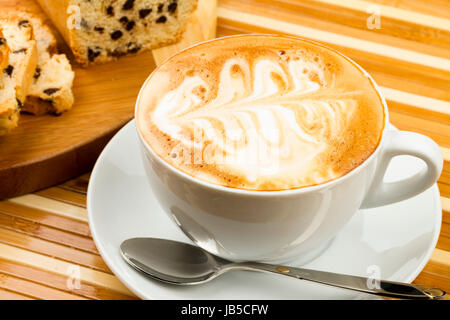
45, 237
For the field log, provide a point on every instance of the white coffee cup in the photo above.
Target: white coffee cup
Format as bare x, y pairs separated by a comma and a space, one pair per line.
278, 226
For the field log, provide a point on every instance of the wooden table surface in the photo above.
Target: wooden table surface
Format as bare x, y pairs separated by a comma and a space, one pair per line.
45, 242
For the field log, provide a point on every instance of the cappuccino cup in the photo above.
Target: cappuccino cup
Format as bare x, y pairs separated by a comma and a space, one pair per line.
262, 147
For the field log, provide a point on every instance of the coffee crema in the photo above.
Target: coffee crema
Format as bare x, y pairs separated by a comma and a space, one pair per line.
261, 112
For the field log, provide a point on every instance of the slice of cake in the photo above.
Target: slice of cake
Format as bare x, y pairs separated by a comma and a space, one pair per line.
23, 56
8, 101
17, 75
103, 30
51, 88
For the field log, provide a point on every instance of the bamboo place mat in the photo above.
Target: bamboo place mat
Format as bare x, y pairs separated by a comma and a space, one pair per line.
44, 237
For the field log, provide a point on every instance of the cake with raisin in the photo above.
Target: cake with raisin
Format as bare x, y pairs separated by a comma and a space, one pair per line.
51, 88
17, 76
103, 30
7, 92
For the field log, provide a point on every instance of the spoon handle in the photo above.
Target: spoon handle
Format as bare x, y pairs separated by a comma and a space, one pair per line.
368, 285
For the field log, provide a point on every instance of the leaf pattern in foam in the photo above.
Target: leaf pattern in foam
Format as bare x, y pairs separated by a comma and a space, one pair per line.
260, 114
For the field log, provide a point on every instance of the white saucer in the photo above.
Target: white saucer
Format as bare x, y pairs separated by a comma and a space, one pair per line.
397, 239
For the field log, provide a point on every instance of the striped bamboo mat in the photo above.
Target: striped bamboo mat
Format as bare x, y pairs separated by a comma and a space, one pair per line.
46, 250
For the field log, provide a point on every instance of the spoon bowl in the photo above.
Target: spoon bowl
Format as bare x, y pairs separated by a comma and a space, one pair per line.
171, 261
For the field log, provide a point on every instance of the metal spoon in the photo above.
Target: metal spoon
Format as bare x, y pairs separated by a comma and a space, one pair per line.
184, 264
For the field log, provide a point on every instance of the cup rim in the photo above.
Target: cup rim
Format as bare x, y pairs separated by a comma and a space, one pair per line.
265, 193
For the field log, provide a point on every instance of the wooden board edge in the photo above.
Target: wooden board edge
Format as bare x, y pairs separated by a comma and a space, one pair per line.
55, 169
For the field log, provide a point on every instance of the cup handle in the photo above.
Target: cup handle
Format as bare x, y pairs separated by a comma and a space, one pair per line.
404, 143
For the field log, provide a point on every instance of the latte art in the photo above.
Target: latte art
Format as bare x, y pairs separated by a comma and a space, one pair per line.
261, 116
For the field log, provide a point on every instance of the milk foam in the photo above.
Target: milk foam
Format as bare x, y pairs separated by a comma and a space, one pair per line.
265, 123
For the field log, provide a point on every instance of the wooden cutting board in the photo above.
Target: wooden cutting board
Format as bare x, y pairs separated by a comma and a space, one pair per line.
47, 150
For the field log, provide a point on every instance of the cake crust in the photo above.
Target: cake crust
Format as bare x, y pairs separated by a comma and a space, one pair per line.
4, 51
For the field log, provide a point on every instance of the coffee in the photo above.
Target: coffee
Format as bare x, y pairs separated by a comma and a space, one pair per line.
261, 112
